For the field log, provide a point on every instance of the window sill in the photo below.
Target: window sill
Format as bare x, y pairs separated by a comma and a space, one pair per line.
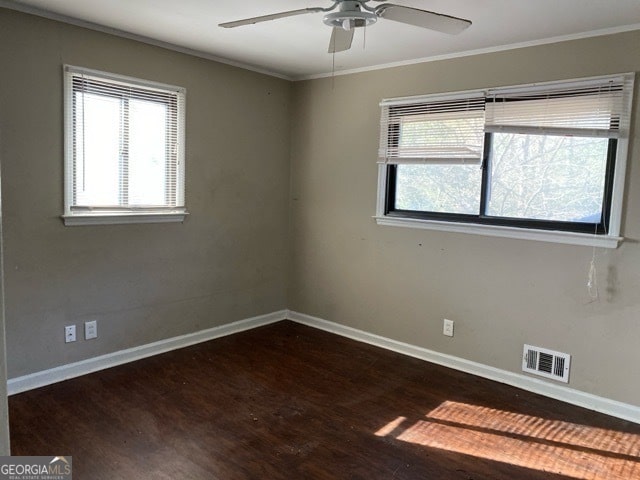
554, 236
113, 218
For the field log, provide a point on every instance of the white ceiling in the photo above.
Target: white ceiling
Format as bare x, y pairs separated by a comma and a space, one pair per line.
296, 47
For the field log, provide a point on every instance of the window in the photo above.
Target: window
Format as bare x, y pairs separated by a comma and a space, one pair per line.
544, 161
124, 149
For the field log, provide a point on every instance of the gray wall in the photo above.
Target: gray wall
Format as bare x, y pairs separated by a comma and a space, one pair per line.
4, 411
501, 293
141, 282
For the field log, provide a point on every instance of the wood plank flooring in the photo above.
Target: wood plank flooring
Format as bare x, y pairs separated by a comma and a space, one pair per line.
290, 402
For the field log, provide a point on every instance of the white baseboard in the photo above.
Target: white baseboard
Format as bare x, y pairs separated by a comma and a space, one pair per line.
559, 392
83, 367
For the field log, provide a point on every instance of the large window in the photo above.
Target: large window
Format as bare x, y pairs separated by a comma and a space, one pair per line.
544, 161
124, 149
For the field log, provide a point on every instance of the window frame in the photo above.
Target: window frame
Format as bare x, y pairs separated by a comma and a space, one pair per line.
551, 231
107, 215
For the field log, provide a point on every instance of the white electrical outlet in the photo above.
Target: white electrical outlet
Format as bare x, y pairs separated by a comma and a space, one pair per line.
69, 333
90, 329
447, 328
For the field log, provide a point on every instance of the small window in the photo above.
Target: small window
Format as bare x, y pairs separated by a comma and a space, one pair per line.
544, 161
124, 149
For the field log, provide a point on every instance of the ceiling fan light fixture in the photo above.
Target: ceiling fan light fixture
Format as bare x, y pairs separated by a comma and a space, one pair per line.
352, 19
347, 15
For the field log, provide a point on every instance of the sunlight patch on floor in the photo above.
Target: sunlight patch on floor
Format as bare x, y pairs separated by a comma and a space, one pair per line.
554, 446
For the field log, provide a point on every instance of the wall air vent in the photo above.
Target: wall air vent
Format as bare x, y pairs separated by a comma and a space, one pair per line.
546, 363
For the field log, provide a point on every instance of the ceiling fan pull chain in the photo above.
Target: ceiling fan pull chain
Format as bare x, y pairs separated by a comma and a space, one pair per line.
333, 69
364, 38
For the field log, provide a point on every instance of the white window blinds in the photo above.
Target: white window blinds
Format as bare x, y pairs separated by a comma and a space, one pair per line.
437, 130
589, 108
124, 143
441, 129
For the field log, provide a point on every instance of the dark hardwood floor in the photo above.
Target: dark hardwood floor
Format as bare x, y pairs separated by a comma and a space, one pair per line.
290, 402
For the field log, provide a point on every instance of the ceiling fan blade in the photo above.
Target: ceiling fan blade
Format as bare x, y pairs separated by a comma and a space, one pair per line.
340, 39
422, 18
273, 16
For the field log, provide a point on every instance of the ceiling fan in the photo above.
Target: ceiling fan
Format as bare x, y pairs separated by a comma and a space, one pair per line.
352, 14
